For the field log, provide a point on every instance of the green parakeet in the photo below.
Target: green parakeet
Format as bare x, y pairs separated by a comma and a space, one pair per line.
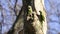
29, 10
41, 17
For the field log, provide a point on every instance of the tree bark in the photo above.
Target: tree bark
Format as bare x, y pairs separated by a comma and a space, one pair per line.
33, 26
34, 18
39, 5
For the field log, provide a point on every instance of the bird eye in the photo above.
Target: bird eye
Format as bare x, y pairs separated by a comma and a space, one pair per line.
39, 11
28, 8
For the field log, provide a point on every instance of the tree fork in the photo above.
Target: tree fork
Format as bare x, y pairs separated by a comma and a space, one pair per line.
28, 28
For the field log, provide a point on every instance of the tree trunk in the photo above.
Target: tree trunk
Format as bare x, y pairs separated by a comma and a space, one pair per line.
39, 5
34, 18
34, 26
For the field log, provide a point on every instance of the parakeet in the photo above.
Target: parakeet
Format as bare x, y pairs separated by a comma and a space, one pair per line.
29, 10
41, 17
29, 13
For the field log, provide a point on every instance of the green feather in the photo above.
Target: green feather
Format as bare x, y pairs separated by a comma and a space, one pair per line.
29, 9
41, 17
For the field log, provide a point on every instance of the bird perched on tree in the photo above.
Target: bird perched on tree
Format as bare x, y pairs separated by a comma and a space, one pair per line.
29, 10
41, 17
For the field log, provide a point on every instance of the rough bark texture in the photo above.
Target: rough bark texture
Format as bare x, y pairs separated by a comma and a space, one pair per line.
24, 24
39, 5
36, 25
8, 16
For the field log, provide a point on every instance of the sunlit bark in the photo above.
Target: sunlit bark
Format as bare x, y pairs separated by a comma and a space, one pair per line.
29, 22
